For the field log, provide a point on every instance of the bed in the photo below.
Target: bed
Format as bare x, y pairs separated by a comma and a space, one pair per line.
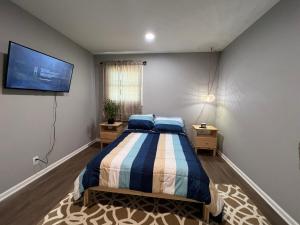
153, 164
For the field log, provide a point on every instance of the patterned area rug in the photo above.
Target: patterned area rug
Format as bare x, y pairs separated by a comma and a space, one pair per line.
123, 209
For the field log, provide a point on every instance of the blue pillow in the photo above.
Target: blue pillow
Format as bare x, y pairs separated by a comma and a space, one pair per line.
142, 121
169, 124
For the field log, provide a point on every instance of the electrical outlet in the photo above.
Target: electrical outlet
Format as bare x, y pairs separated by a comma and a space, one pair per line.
35, 160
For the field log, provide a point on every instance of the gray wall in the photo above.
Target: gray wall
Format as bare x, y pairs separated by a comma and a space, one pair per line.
26, 116
173, 84
258, 111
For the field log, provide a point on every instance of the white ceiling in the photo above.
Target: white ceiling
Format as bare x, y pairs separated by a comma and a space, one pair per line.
103, 26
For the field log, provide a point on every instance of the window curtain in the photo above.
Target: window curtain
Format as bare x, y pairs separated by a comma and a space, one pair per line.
123, 85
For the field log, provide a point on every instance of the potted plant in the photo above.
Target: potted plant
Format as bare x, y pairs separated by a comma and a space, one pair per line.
111, 109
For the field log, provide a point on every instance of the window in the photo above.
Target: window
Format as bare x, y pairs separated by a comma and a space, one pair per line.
123, 85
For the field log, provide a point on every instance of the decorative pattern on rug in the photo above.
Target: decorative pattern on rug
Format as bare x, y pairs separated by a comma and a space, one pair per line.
239, 209
123, 209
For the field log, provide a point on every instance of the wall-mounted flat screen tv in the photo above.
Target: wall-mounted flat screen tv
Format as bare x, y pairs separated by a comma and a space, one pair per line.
32, 70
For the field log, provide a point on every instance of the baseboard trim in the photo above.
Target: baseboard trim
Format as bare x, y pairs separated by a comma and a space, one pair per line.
280, 211
42, 172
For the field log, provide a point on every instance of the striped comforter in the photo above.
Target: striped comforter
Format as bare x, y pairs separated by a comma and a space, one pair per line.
150, 162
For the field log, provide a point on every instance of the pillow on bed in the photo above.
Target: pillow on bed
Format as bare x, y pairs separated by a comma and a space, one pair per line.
169, 124
141, 121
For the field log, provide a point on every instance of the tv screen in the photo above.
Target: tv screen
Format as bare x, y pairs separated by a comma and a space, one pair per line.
30, 69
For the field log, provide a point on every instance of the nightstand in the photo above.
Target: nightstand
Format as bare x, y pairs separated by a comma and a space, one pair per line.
205, 138
109, 132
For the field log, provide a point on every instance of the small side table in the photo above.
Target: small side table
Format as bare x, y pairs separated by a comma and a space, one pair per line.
109, 132
205, 138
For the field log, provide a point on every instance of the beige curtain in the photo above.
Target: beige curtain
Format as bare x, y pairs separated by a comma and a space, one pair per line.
123, 84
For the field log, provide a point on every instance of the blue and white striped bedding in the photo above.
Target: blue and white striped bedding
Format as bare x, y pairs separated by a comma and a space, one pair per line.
148, 117
141, 121
169, 124
153, 162
169, 120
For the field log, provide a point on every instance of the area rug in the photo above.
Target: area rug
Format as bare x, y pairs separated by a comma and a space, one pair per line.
123, 209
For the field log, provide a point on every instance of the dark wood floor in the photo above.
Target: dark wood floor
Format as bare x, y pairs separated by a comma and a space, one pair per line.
31, 204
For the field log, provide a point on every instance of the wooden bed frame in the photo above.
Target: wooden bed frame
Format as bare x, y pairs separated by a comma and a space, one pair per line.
86, 197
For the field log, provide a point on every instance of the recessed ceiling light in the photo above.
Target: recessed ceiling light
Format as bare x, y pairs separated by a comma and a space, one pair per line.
149, 37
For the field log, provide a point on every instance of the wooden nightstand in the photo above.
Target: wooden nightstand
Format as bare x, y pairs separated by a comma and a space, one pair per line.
205, 138
109, 132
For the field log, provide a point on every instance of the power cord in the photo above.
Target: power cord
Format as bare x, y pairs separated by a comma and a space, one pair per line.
46, 161
211, 81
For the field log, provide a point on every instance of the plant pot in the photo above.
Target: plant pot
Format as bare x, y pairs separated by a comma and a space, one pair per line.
111, 121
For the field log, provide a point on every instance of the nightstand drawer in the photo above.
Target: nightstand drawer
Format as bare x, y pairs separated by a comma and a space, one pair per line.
205, 142
109, 135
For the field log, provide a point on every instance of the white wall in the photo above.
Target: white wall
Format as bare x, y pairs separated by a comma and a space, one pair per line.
258, 111
26, 116
173, 84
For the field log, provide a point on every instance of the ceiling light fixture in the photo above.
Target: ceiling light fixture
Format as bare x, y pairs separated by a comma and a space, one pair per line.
149, 37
